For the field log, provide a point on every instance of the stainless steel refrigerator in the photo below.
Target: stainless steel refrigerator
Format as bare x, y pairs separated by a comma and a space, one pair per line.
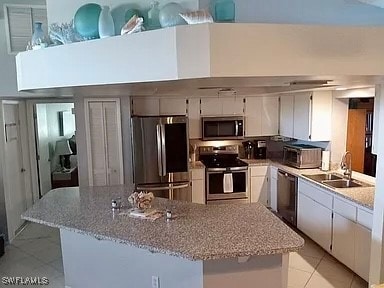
160, 156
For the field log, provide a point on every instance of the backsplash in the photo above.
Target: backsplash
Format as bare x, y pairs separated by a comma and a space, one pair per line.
274, 148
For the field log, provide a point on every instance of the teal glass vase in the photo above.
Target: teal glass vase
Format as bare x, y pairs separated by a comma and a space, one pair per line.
223, 10
153, 16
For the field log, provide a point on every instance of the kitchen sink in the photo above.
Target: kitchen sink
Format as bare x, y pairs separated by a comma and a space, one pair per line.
323, 177
343, 183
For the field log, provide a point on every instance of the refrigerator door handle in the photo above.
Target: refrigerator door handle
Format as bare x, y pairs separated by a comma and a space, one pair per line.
159, 151
163, 151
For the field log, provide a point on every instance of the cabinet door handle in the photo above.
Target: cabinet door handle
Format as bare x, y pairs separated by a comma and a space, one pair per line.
22, 170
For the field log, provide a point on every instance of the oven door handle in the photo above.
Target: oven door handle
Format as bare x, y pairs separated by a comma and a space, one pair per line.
163, 187
233, 169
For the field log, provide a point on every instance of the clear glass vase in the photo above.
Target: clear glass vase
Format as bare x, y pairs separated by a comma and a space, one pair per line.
223, 10
38, 40
153, 16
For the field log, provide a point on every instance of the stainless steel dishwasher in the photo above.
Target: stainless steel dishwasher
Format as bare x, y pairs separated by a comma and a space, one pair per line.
287, 196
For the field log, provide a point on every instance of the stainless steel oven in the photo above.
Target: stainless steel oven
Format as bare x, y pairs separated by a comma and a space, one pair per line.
227, 183
226, 175
302, 156
223, 128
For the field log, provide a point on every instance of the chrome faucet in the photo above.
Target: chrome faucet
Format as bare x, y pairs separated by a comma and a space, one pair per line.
346, 165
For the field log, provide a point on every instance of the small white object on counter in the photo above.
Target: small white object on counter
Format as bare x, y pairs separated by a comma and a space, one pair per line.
325, 158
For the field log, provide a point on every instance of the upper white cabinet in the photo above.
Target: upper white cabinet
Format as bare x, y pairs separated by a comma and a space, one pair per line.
152, 106
311, 116
104, 142
219, 106
145, 106
261, 116
173, 106
287, 103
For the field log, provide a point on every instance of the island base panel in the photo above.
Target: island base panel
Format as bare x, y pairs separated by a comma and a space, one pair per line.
89, 262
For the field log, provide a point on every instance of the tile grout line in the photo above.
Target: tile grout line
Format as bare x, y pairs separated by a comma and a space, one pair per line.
314, 270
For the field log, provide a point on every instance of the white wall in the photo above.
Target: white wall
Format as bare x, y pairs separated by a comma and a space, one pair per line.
340, 127
8, 85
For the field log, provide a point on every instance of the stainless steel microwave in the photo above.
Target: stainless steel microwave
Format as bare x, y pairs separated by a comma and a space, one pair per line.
223, 128
302, 156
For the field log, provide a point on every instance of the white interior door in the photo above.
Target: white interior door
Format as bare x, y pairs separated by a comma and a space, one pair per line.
15, 195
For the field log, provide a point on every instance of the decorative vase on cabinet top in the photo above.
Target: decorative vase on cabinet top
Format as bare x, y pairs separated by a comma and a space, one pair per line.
170, 15
86, 20
106, 24
153, 16
38, 40
223, 10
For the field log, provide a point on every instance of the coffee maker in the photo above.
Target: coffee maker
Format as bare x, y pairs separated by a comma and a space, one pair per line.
260, 149
249, 148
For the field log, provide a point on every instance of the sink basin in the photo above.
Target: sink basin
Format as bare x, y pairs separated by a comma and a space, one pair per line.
323, 177
342, 183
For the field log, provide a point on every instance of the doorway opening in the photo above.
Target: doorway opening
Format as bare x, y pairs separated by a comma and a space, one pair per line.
359, 135
55, 139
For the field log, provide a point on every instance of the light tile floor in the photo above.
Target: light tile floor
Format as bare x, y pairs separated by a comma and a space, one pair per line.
36, 252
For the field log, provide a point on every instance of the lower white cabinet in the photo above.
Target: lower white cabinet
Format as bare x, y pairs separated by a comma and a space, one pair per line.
273, 188
340, 226
315, 220
198, 186
362, 251
343, 242
259, 184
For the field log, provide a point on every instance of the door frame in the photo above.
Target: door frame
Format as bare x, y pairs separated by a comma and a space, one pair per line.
26, 165
30, 114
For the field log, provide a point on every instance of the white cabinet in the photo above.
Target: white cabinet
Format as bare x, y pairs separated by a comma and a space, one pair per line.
194, 118
362, 251
173, 106
286, 115
273, 188
343, 242
104, 142
315, 220
261, 116
222, 106
198, 185
145, 106
340, 226
314, 213
313, 116
152, 106
259, 184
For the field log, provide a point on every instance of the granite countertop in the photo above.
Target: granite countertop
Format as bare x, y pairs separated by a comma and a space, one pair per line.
198, 232
364, 196
196, 165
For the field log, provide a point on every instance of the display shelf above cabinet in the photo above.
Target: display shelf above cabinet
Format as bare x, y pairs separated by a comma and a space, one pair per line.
208, 51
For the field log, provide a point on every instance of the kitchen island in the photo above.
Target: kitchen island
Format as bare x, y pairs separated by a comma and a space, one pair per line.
203, 246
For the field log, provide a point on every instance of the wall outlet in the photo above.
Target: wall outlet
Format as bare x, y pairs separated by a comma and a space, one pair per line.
155, 282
